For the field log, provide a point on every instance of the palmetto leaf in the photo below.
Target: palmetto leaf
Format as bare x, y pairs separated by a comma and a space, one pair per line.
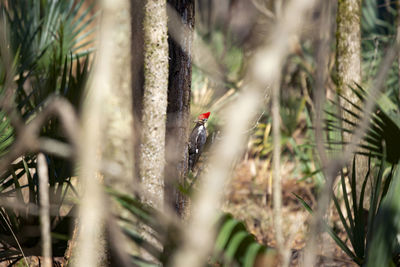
384, 128
44, 35
384, 243
44, 39
235, 244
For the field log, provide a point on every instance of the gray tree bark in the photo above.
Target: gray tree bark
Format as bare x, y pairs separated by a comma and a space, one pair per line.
348, 44
154, 102
348, 61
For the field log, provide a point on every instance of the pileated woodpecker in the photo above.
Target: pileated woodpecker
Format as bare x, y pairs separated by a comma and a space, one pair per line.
197, 139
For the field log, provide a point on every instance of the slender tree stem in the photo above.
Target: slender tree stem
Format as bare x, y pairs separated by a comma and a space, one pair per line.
276, 160
44, 209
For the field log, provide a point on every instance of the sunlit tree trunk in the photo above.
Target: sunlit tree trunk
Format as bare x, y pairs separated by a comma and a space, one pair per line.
348, 42
179, 86
154, 101
348, 61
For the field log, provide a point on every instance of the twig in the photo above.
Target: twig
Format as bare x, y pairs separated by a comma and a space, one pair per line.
55, 147
44, 209
263, 9
276, 161
319, 99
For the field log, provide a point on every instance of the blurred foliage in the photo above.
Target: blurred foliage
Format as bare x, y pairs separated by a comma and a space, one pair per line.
234, 245
378, 24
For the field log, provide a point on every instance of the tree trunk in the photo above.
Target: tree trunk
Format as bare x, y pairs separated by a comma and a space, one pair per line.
106, 132
178, 113
348, 57
154, 102
348, 62
137, 58
398, 36
118, 147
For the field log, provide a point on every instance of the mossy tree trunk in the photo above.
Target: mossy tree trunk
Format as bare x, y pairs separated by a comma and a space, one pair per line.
348, 62
348, 45
152, 155
178, 114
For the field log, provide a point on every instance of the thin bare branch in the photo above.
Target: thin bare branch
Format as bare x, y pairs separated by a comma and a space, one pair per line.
260, 5
319, 99
44, 209
276, 160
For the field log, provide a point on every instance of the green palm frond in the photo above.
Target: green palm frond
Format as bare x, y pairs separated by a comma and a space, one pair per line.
47, 37
49, 42
384, 247
384, 126
234, 244
40, 29
359, 224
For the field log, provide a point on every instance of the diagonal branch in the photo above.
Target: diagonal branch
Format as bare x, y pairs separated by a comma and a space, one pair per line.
28, 135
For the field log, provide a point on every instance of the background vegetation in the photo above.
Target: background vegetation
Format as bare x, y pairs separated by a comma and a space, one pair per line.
300, 168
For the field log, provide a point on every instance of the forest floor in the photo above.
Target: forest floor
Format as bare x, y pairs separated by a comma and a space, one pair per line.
249, 199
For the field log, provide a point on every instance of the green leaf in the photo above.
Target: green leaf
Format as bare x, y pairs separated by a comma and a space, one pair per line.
143, 263
386, 226
230, 227
238, 240
251, 254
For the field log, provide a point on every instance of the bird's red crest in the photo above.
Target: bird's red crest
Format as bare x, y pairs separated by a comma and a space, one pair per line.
204, 116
